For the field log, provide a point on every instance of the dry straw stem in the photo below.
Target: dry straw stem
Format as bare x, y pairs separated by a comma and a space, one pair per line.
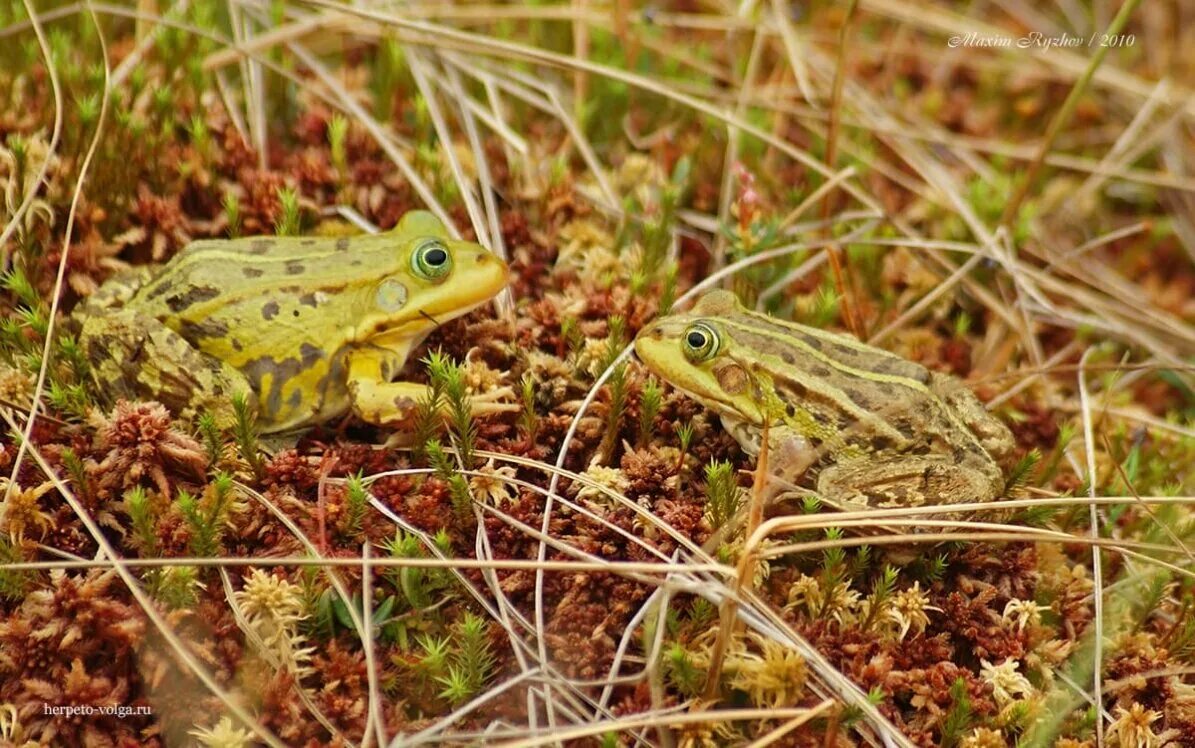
745, 571
844, 280
652, 720
55, 133
35, 401
1060, 119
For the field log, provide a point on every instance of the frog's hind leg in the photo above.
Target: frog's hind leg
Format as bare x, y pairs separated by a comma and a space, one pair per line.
902, 481
136, 357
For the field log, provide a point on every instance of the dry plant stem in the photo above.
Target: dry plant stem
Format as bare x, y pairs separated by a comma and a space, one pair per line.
831, 734
840, 263
1128, 146
444, 135
731, 155
794, 723
638, 570
326, 466
1060, 119
580, 51
252, 78
1097, 574
639, 720
655, 677
793, 48
371, 665
55, 133
506, 612
728, 617
48, 346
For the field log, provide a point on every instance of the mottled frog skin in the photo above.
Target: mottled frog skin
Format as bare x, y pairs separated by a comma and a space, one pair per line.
883, 431
309, 326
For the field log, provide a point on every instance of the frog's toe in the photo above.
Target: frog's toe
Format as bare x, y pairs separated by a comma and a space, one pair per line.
496, 400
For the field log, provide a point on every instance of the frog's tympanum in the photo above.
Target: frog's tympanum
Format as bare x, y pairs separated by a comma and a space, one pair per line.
887, 432
309, 326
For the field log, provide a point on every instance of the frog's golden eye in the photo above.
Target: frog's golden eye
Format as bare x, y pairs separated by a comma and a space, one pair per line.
700, 342
431, 260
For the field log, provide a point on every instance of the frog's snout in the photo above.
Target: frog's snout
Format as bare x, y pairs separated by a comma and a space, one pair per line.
487, 259
647, 341
651, 332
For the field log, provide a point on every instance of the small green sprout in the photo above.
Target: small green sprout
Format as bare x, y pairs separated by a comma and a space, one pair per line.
449, 378
457, 685
245, 432
1019, 475
682, 674
80, 483
144, 521
436, 653
668, 290
289, 220
177, 587
650, 401
684, 435
208, 516
528, 418
427, 411
232, 214
458, 487
213, 440
338, 128
14, 584
880, 598
723, 497
69, 398
572, 336
959, 719
356, 504
201, 137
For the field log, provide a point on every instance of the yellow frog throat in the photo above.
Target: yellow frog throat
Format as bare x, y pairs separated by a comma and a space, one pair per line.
311, 326
885, 431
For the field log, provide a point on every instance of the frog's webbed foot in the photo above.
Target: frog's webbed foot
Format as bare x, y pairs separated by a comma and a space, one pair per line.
395, 404
496, 400
136, 357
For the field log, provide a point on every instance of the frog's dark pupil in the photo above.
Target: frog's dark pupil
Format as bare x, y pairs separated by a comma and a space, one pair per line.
696, 339
436, 257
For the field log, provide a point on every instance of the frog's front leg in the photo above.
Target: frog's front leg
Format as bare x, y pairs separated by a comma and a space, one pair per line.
903, 481
377, 400
136, 357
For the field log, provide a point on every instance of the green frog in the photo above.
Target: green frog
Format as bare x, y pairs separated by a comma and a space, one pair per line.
883, 431
309, 326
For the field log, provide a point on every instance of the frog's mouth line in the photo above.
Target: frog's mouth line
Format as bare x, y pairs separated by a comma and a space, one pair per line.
416, 326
